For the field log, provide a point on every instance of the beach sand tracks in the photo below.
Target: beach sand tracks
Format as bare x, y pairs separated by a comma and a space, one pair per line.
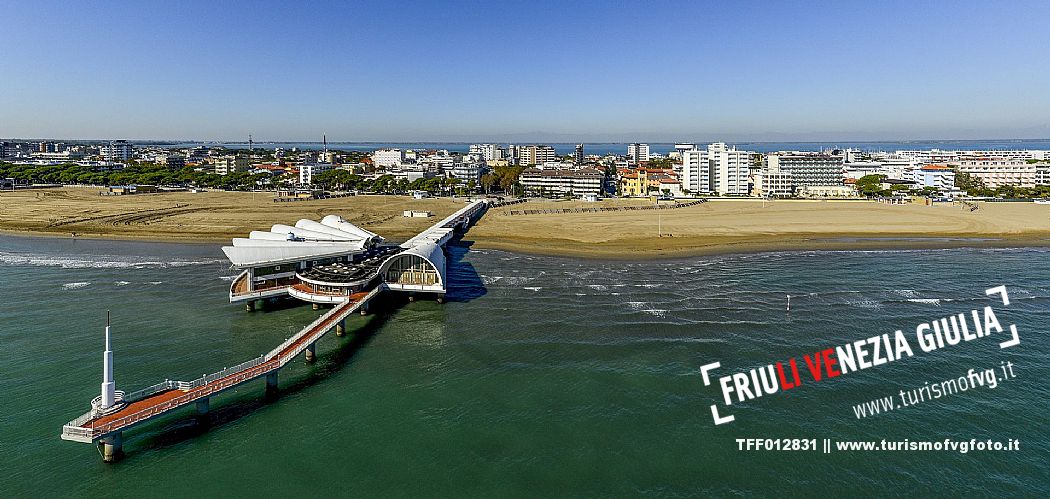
135, 217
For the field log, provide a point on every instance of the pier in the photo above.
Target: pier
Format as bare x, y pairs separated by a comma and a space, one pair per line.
348, 278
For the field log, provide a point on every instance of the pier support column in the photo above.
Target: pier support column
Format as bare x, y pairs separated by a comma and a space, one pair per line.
271, 383
441, 298
250, 306
311, 352
112, 447
203, 405
340, 328
315, 306
364, 309
411, 296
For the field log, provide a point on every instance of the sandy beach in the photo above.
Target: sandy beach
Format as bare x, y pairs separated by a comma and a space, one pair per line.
719, 226
213, 216
736, 226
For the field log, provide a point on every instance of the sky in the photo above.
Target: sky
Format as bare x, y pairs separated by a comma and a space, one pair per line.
561, 71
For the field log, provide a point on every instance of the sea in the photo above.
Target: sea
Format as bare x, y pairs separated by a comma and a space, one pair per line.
605, 148
539, 376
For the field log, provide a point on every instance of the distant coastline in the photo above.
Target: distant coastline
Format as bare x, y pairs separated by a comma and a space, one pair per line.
608, 147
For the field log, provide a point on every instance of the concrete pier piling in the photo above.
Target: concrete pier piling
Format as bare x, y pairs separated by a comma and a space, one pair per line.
340, 328
271, 384
112, 447
249, 306
311, 352
203, 406
315, 306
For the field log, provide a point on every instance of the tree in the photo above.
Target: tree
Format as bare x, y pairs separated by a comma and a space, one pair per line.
488, 180
507, 183
970, 184
870, 185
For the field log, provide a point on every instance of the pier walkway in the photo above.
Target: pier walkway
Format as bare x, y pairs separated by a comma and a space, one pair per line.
168, 395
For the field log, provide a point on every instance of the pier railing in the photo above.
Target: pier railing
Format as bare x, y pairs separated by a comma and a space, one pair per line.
296, 337
218, 381
203, 391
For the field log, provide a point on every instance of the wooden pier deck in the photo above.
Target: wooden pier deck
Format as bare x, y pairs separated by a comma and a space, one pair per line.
171, 395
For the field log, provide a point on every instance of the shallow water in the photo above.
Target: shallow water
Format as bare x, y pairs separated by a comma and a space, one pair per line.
541, 376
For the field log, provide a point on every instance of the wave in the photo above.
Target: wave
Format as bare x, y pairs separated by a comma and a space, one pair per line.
121, 283
75, 285
102, 262
533, 288
930, 301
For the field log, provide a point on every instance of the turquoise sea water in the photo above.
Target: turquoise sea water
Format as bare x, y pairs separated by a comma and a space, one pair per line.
541, 376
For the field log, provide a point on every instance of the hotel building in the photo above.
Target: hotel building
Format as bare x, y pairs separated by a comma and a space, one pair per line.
807, 169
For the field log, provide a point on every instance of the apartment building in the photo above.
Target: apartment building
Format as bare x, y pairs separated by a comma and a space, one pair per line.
225, 165
638, 153
532, 155
488, 152
995, 172
308, 171
941, 177
547, 182
117, 150
388, 157
718, 169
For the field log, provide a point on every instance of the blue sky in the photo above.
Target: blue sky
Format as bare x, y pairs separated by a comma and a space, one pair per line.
557, 71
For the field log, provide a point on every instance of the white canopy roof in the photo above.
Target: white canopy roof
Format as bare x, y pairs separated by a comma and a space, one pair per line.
307, 240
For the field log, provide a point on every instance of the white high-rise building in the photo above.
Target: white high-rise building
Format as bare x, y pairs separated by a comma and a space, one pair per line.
307, 172
388, 157
718, 169
638, 152
117, 150
488, 152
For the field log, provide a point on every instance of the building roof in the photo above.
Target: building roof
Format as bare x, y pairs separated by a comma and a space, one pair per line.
582, 172
330, 237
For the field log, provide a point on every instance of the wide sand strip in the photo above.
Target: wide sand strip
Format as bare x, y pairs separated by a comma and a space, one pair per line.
719, 226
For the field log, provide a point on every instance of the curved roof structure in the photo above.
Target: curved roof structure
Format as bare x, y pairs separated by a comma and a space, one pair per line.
337, 222
304, 241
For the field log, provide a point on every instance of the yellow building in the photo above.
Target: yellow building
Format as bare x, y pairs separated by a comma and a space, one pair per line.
642, 181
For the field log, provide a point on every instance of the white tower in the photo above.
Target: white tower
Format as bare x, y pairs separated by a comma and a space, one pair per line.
108, 387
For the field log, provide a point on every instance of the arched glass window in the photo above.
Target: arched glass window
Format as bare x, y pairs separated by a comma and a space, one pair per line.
412, 269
